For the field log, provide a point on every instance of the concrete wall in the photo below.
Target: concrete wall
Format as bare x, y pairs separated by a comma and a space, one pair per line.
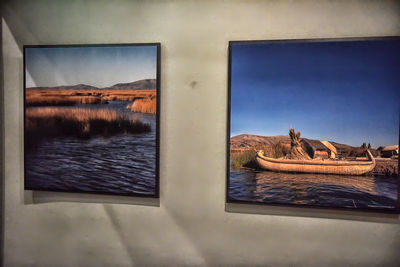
189, 226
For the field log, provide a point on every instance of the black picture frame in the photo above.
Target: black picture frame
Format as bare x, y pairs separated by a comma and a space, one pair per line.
157, 46
228, 197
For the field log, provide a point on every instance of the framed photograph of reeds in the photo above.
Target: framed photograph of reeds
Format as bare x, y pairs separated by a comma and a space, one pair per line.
314, 123
92, 118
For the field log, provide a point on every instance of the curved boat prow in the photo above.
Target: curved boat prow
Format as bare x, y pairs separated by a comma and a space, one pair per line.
370, 156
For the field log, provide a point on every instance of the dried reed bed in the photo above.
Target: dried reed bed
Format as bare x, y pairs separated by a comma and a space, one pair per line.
55, 97
77, 122
37, 101
247, 158
128, 95
148, 105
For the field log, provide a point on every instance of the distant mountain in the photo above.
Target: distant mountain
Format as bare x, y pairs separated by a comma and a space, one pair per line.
248, 141
137, 85
66, 87
141, 84
244, 141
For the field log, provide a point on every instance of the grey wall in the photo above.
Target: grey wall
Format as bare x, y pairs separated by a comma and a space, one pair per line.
190, 226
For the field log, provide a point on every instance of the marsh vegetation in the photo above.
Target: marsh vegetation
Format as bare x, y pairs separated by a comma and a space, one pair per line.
148, 105
145, 100
246, 158
79, 122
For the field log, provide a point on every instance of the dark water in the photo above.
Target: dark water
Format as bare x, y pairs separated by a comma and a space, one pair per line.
314, 189
121, 164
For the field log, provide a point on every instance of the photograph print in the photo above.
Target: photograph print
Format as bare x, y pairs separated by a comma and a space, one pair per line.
315, 123
91, 120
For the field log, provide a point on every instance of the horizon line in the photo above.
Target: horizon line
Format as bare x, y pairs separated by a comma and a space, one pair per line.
91, 85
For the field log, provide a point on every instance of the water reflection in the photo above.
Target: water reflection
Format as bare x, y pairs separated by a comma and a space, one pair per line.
313, 189
300, 184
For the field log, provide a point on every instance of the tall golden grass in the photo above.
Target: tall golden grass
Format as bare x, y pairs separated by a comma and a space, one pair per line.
247, 158
128, 95
78, 122
119, 98
244, 159
35, 101
53, 97
147, 105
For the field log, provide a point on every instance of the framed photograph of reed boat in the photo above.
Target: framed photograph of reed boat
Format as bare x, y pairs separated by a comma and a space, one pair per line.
92, 118
314, 123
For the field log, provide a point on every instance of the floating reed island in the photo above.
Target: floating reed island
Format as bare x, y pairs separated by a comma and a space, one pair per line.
78, 122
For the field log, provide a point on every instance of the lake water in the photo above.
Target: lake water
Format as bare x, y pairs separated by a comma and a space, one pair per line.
122, 164
314, 189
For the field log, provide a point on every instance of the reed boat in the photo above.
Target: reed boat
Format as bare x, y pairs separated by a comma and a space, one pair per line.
341, 167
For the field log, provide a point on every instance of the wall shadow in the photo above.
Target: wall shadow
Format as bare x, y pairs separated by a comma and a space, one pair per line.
313, 213
38, 197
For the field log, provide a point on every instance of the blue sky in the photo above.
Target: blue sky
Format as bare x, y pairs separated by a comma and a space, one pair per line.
99, 66
348, 92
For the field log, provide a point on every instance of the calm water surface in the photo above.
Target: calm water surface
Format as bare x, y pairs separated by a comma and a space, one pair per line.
313, 189
121, 164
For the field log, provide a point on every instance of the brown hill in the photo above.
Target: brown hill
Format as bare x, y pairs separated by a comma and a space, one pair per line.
247, 141
66, 87
141, 84
137, 85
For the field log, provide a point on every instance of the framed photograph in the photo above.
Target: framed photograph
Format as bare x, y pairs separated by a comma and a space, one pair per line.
92, 118
314, 123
